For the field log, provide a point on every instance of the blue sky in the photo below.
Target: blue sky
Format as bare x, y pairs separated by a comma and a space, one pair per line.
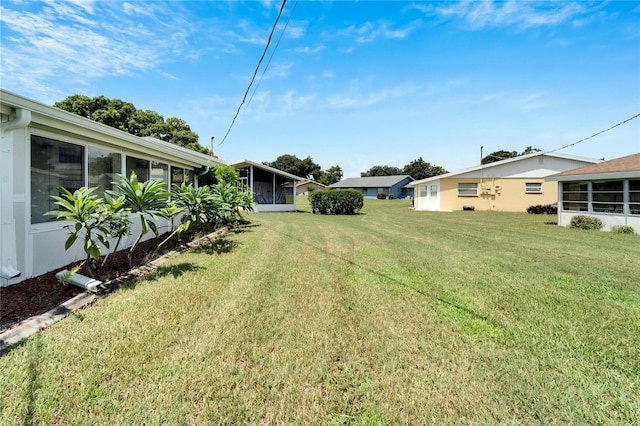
354, 84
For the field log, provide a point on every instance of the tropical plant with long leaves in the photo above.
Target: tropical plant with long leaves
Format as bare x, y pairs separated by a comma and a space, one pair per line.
196, 204
144, 199
169, 212
116, 216
84, 209
231, 199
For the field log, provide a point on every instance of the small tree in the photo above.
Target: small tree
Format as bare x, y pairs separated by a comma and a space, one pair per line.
83, 209
145, 199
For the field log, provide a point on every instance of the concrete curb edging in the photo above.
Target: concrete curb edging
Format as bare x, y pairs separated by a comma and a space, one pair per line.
31, 326
35, 324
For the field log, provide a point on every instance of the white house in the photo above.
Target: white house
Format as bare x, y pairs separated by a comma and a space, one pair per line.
508, 185
609, 191
272, 189
43, 148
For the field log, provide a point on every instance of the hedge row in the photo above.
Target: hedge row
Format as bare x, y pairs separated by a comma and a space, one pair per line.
543, 209
336, 201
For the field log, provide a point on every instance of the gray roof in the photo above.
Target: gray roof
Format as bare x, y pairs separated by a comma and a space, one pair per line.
371, 182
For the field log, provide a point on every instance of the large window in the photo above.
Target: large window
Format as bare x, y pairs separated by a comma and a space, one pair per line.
160, 171
53, 164
575, 196
468, 189
284, 193
103, 168
634, 196
177, 175
139, 166
608, 196
189, 177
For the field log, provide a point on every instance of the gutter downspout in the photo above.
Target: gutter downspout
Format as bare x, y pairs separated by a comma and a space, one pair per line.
8, 257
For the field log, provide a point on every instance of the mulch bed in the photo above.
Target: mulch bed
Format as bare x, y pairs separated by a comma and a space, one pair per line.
37, 295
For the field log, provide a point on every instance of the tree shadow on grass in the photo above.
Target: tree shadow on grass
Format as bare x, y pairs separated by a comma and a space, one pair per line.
243, 228
176, 270
218, 246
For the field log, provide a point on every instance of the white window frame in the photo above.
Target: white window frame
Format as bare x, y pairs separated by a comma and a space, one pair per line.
533, 188
470, 189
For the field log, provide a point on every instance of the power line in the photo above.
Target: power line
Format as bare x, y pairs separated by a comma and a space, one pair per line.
264, 52
273, 52
596, 134
580, 141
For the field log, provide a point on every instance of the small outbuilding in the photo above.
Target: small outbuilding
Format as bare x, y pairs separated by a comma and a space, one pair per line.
609, 190
307, 186
371, 186
272, 189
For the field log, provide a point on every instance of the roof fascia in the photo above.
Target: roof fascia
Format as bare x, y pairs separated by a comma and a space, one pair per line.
57, 119
265, 167
595, 176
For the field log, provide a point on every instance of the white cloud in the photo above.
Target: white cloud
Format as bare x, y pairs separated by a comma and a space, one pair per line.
308, 50
520, 13
356, 99
369, 32
62, 40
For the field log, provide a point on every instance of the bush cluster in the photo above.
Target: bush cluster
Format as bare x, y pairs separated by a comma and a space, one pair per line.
382, 196
337, 201
586, 222
99, 221
543, 209
623, 229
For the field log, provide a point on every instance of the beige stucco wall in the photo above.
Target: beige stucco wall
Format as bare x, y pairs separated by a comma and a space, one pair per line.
501, 194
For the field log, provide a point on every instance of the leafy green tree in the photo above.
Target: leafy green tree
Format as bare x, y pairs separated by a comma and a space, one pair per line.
420, 169
226, 174
124, 116
291, 164
382, 171
332, 175
503, 155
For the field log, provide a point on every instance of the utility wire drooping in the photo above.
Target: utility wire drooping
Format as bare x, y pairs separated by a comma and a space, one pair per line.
264, 52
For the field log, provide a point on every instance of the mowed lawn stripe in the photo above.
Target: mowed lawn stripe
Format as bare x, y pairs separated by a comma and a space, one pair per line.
388, 317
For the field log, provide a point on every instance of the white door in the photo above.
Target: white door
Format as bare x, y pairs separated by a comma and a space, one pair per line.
429, 196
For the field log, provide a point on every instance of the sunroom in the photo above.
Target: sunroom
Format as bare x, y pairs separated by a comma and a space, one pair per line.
44, 148
609, 191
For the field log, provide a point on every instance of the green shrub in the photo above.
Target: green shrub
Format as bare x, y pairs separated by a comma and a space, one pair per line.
338, 201
623, 229
391, 196
543, 209
382, 196
586, 222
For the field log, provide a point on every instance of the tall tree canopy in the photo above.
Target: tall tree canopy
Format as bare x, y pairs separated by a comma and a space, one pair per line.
124, 116
420, 169
291, 164
332, 175
382, 171
503, 155
417, 169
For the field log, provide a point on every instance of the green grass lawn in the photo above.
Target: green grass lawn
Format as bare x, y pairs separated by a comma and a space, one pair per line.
387, 317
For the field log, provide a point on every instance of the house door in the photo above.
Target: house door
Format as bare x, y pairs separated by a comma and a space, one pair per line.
430, 196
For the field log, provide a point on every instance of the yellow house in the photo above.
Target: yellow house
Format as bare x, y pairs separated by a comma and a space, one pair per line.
509, 185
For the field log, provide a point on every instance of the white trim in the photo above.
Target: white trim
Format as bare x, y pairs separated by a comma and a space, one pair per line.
507, 161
